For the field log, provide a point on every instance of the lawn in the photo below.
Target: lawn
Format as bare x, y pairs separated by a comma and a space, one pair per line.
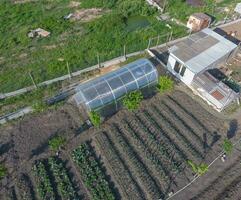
75, 42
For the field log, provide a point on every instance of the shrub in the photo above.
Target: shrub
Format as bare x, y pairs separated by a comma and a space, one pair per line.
227, 146
56, 143
198, 169
165, 84
132, 100
95, 118
3, 171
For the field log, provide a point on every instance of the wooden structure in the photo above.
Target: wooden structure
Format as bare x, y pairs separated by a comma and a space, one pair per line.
198, 21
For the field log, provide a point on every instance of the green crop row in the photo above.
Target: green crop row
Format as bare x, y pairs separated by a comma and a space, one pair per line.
92, 174
64, 185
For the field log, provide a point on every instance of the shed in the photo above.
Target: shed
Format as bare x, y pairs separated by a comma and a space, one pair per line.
198, 21
106, 91
190, 59
197, 53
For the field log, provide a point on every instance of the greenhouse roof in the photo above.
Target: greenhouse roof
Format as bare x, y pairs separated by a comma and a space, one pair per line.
111, 86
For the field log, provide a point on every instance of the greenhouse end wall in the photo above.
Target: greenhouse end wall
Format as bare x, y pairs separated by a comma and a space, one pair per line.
107, 90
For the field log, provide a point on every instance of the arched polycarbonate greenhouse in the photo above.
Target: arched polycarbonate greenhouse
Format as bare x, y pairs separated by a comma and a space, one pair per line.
109, 88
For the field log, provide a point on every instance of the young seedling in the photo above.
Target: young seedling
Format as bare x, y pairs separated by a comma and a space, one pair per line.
56, 143
227, 146
198, 169
3, 171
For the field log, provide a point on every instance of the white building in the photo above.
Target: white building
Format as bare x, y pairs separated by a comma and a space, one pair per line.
190, 59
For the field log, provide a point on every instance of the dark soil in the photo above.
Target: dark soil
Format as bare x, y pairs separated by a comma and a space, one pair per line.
144, 153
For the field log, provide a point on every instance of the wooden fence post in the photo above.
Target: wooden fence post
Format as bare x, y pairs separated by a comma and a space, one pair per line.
32, 79
69, 72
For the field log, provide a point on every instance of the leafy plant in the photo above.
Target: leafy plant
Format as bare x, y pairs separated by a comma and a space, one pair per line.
132, 100
227, 146
198, 169
3, 171
202, 169
165, 84
95, 118
91, 172
64, 185
44, 187
56, 143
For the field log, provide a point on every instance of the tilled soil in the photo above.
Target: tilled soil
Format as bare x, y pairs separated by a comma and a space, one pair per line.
145, 152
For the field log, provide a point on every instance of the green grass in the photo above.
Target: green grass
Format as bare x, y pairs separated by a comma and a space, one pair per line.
181, 10
75, 42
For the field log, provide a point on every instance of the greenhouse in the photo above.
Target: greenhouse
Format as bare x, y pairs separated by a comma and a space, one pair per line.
109, 88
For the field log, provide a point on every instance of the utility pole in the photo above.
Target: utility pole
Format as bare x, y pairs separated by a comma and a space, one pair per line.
69, 72
32, 79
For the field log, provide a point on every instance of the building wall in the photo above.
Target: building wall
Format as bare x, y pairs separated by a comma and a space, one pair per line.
188, 75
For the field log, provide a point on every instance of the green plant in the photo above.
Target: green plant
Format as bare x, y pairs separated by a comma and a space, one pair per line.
56, 143
95, 118
132, 100
165, 84
64, 185
227, 146
202, 169
91, 172
198, 169
3, 171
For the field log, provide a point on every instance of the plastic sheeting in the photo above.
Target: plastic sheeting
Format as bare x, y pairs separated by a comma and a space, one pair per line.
109, 88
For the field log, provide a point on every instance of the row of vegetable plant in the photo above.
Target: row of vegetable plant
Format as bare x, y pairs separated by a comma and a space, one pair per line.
91, 173
138, 168
159, 114
122, 174
160, 147
44, 187
64, 185
159, 139
160, 169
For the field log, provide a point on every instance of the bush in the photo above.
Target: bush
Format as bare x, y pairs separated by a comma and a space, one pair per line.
3, 171
132, 100
56, 143
198, 169
95, 118
165, 84
227, 146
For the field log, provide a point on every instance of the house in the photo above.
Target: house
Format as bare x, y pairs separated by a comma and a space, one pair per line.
190, 60
198, 21
39, 32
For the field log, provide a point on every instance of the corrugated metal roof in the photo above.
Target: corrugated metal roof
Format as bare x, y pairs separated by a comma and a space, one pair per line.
206, 48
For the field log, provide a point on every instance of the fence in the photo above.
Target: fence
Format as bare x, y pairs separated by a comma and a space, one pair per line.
33, 79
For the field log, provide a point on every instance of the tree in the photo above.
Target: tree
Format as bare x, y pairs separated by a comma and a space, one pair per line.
227, 146
95, 118
198, 169
165, 84
56, 143
132, 100
3, 171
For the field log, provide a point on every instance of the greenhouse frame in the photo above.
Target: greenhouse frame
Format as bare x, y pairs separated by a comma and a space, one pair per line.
111, 87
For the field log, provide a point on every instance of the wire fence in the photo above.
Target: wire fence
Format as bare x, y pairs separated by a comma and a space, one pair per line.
80, 61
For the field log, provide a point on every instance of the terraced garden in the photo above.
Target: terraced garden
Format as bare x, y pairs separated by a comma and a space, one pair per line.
137, 155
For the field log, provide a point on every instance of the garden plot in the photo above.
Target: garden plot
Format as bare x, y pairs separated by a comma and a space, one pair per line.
133, 155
